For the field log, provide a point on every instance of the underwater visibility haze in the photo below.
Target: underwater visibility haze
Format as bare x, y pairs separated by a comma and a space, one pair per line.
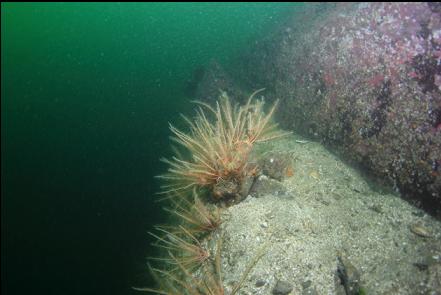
221, 148
87, 94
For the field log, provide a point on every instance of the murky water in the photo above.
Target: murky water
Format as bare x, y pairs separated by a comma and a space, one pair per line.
87, 93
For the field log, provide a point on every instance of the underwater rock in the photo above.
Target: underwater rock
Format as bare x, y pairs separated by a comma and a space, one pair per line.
364, 79
422, 266
277, 165
264, 186
303, 236
282, 288
246, 186
349, 276
308, 289
420, 230
260, 283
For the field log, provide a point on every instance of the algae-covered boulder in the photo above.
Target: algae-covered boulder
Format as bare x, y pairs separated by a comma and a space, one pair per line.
364, 79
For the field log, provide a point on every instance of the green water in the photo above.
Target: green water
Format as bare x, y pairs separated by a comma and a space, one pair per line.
87, 91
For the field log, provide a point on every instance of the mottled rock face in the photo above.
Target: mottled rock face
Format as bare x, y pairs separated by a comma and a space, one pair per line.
282, 288
366, 80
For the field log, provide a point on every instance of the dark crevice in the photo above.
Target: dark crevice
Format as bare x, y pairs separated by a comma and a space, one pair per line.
426, 67
379, 115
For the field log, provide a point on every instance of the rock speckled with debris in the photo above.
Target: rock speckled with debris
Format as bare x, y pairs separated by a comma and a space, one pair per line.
329, 210
364, 78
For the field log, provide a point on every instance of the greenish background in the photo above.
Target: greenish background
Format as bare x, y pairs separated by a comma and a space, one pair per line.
87, 93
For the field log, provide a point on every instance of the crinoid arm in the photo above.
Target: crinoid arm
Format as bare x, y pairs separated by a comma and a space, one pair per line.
218, 143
